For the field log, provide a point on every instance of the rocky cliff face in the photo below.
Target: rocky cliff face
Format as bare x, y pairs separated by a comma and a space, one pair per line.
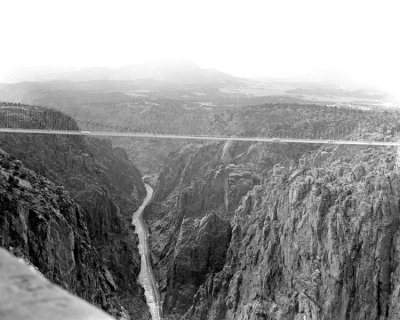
297, 237
107, 188
319, 241
42, 224
191, 213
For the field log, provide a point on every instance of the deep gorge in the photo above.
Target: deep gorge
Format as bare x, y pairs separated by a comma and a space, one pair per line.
237, 230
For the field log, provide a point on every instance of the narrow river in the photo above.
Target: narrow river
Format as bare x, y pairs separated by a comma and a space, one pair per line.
146, 276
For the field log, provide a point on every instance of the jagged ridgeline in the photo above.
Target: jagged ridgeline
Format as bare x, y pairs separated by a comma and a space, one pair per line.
22, 116
66, 205
17, 115
308, 121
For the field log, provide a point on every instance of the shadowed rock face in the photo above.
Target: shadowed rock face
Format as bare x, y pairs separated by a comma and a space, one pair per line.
312, 242
313, 237
42, 224
107, 188
191, 213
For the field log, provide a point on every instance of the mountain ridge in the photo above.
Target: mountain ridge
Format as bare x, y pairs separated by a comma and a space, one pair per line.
177, 72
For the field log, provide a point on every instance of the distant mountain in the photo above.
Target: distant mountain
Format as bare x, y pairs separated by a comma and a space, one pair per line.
177, 72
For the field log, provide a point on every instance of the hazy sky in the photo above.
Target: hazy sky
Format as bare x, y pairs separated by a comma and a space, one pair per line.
338, 39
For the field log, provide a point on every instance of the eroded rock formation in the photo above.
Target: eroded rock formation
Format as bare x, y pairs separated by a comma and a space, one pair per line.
312, 237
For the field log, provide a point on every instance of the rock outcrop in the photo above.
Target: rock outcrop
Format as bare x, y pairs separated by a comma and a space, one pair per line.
191, 213
297, 237
107, 188
313, 242
41, 223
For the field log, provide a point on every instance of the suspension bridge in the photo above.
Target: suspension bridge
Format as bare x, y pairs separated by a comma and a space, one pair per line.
22, 119
200, 137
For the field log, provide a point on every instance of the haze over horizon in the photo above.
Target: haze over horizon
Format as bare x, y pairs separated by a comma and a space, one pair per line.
352, 42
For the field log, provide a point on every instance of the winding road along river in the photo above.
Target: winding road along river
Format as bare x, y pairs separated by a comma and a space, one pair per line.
146, 276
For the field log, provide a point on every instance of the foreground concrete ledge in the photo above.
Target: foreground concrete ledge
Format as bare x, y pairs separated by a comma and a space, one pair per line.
26, 295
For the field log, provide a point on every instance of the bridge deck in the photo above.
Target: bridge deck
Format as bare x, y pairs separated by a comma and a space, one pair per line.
198, 137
